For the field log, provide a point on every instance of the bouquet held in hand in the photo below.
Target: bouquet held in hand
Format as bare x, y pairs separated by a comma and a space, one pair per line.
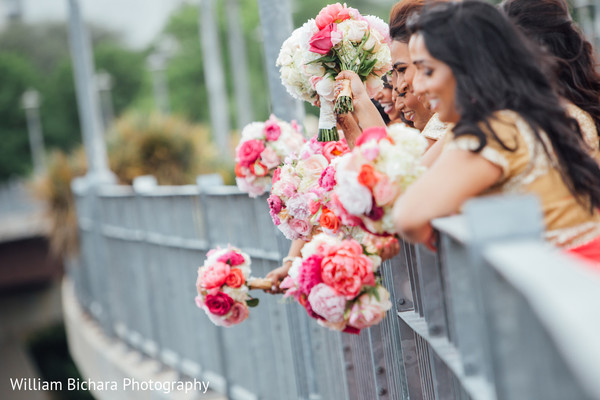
223, 282
381, 166
301, 189
262, 148
336, 283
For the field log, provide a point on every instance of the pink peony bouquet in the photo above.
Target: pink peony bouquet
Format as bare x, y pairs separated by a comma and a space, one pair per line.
340, 38
262, 148
223, 282
301, 189
381, 166
336, 283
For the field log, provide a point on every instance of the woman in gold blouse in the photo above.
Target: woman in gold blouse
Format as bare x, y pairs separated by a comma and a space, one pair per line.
508, 133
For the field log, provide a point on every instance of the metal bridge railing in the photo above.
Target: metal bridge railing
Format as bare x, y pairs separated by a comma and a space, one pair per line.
490, 316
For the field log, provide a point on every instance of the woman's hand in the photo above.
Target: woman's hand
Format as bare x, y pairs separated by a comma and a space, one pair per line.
390, 249
277, 275
365, 113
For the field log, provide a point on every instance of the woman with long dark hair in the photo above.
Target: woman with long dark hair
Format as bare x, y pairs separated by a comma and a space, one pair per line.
549, 23
510, 132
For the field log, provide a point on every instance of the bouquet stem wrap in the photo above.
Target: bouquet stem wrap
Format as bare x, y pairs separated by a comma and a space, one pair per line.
343, 103
327, 123
260, 284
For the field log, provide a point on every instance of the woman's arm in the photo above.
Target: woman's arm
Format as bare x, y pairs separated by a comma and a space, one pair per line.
456, 176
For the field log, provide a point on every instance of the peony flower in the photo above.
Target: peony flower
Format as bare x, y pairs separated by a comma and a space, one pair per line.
325, 87
309, 273
346, 269
235, 279
275, 204
214, 275
332, 13
276, 175
368, 311
249, 187
298, 207
249, 151
218, 304
327, 303
327, 179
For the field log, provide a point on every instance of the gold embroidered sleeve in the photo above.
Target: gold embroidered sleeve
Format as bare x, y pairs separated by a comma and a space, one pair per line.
471, 143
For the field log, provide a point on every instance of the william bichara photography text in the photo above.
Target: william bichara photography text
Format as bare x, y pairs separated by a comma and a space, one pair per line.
126, 384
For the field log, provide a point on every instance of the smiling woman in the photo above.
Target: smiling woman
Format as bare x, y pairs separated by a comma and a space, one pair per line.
510, 133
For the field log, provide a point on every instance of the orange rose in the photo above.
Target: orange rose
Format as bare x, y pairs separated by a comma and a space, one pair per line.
367, 176
235, 279
239, 172
328, 220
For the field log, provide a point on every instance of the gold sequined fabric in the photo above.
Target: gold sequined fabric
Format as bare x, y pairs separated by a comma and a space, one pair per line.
527, 170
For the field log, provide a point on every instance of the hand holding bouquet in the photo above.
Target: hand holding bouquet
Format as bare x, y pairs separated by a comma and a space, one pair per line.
338, 39
336, 282
223, 282
381, 166
262, 148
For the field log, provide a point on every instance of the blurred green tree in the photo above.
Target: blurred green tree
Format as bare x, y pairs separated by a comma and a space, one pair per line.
47, 68
185, 71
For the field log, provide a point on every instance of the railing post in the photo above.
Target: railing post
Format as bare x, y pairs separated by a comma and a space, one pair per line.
87, 98
214, 75
277, 26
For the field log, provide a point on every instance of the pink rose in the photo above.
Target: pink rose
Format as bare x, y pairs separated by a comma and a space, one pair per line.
327, 179
374, 133
321, 42
335, 149
233, 258
368, 311
300, 226
346, 269
214, 275
237, 314
249, 151
332, 13
327, 303
312, 167
384, 191
218, 304
270, 158
272, 129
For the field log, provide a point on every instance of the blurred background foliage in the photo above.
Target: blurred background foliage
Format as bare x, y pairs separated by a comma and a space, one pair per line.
24, 63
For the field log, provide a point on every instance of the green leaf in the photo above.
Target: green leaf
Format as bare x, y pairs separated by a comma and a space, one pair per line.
252, 302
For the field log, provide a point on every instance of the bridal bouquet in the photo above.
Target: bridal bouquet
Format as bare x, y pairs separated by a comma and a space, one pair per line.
262, 148
301, 189
223, 282
383, 163
340, 38
336, 283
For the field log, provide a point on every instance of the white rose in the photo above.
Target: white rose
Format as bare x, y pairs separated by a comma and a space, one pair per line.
352, 30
